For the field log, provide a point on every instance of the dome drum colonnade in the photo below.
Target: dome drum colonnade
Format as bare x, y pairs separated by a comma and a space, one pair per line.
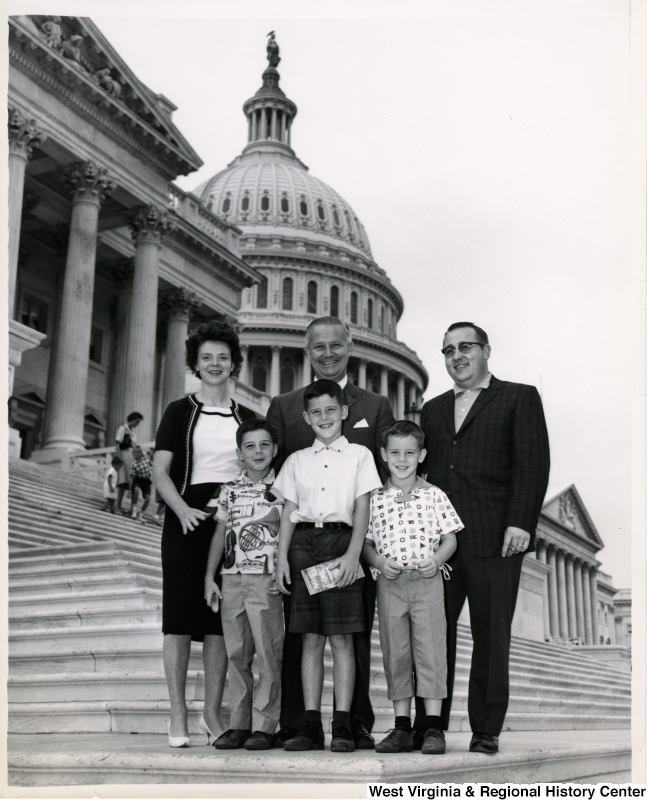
93, 243
314, 259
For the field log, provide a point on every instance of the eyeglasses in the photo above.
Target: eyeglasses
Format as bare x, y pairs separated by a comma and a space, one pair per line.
464, 347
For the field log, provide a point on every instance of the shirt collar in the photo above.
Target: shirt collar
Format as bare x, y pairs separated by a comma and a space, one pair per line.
269, 478
393, 489
342, 382
483, 384
338, 445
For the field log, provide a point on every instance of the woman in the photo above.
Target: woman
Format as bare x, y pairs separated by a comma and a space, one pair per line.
126, 440
195, 453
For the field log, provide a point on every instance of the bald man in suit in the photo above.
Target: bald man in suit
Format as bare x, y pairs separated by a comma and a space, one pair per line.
487, 448
328, 344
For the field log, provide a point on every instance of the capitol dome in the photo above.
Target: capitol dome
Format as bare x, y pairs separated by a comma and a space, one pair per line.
313, 257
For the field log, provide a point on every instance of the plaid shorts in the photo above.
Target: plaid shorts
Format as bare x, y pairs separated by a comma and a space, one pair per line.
335, 611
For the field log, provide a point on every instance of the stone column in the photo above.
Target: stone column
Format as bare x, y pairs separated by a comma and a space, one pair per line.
148, 226
586, 591
553, 596
593, 582
254, 128
570, 598
178, 303
399, 414
274, 127
307, 371
561, 593
66, 401
275, 372
243, 375
23, 135
412, 396
540, 554
362, 374
122, 270
384, 382
579, 602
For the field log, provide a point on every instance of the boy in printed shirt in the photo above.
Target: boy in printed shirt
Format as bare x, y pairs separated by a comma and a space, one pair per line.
251, 607
326, 489
141, 472
411, 533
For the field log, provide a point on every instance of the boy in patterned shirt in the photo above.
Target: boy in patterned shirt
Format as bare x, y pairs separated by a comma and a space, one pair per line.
411, 533
251, 608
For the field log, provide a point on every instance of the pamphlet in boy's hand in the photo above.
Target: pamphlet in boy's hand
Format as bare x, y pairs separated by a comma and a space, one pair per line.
325, 576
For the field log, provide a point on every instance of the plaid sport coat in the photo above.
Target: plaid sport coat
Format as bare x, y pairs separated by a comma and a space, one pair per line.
495, 468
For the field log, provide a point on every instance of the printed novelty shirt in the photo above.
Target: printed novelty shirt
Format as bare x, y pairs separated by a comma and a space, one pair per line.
251, 515
407, 528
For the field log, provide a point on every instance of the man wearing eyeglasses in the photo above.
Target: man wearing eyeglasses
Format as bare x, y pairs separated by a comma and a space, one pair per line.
487, 448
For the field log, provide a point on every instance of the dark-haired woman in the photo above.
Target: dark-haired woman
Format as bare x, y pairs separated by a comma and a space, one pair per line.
125, 439
195, 453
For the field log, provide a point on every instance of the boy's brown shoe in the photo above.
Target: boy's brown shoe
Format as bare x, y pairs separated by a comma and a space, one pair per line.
310, 737
342, 739
398, 741
434, 742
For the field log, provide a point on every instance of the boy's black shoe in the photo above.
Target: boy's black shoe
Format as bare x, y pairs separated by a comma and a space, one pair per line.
398, 741
363, 739
259, 740
310, 737
484, 743
434, 742
342, 739
233, 739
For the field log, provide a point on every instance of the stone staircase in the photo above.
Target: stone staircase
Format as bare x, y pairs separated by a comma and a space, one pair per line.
85, 649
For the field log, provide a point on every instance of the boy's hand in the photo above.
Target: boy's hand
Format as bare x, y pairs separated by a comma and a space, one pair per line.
389, 568
282, 576
429, 569
274, 589
211, 588
347, 570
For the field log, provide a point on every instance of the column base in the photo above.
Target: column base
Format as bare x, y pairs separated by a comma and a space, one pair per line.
56, 455
14, 443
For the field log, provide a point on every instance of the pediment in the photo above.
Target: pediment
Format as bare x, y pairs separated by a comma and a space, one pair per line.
569, 511
75, 51
32, 396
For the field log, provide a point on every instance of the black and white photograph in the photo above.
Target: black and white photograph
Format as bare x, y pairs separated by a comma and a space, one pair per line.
289, 284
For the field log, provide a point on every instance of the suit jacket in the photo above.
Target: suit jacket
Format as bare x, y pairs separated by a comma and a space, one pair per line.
495, 468
285, 415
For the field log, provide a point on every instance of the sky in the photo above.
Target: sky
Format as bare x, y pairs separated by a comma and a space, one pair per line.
488, 150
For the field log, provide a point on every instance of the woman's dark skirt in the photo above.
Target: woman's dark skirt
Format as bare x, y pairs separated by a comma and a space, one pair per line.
184, 561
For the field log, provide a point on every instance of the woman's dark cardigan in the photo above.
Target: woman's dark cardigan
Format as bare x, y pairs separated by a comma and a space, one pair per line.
175, 433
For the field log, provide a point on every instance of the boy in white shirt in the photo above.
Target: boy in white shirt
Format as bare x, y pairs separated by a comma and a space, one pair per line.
326, 489
411, 533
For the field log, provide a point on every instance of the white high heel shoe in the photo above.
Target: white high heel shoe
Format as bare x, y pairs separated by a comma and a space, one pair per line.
177, 741
206, 730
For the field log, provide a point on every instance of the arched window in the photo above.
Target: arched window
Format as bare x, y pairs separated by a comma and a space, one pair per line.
285, 204
334, 301
370, 313
226, 204
303, 207
353, 307
261, 293
265, 201
288, 290
335, 217
244, 203
312, 297
288, 377
321, 211
259, 375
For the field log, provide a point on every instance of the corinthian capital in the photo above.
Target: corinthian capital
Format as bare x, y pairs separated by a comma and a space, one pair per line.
23, 134
149, 222
88, 181
178, 300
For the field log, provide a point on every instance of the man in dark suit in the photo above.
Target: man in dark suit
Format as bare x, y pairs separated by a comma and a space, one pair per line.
487, 448
328, 345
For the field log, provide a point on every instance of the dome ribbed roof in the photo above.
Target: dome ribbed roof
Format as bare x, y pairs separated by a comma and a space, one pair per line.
273, 190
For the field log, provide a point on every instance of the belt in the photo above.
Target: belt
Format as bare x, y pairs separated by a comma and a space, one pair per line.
329, 526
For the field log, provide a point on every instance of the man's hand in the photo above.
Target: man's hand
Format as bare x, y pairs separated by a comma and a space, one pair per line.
429, 568
348, 565
282, 575
516, 540
389, 568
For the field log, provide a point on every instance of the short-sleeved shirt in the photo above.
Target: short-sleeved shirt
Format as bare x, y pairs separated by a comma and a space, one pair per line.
142, 468
325, 480
407, 529
251, 518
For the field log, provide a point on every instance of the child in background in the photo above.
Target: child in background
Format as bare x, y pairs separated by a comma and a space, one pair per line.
411, 533
251, 608
141, 473
326, 488
110, 484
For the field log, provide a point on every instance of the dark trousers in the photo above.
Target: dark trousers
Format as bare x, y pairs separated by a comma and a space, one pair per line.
361, 710
490, 585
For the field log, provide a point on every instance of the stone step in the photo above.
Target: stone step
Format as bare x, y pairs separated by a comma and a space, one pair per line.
50, 641
67, 603
112, 758
63, 526
79, 588
150, 614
